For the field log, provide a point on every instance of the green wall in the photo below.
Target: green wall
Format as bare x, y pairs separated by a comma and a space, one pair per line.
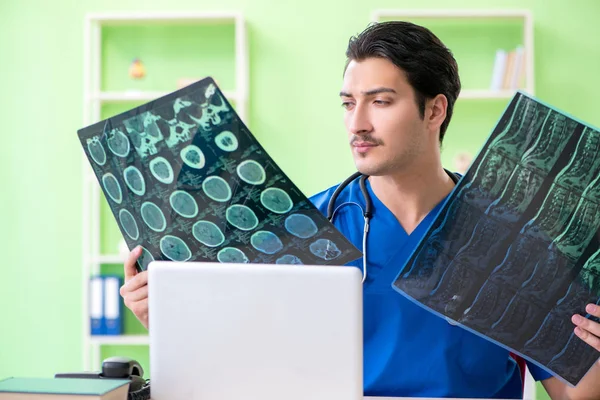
296, 53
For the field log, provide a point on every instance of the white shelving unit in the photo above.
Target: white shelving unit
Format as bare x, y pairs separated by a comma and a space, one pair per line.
524, 15
482, 94
94, 98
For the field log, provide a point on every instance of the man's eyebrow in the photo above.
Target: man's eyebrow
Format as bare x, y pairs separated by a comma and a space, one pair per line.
379, 90
370, 92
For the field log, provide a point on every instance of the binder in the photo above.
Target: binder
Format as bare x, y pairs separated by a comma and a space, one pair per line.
113, 309
96, 304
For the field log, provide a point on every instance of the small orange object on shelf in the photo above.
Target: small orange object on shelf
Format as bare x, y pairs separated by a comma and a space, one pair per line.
137, 69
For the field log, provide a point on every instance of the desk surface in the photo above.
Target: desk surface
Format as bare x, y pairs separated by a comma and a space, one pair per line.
416, 398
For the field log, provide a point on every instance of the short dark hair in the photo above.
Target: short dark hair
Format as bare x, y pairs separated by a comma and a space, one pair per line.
429, 65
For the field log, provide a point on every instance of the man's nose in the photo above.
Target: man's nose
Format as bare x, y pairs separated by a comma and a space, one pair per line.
360, 122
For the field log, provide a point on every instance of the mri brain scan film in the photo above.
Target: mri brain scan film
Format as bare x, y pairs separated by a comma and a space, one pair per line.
187, 181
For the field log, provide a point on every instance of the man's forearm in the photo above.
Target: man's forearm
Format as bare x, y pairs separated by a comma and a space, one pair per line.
588, 388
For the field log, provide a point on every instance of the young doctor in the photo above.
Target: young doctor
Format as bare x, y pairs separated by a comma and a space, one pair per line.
399, 88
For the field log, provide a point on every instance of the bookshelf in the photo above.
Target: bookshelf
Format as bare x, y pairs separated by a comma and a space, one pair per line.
162, 40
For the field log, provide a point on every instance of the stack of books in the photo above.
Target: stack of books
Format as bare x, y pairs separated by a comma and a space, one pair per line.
509, 69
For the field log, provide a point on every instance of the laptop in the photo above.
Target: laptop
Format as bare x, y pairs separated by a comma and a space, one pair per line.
264, 332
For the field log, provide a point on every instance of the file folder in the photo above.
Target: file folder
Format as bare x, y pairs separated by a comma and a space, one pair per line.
96, 304
113, 309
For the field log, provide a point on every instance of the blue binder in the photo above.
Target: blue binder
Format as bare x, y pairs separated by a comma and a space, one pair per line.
96, 305
113, 306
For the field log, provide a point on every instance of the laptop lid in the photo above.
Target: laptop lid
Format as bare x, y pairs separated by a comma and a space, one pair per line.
260, 331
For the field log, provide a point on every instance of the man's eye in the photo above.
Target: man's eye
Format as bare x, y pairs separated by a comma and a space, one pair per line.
346, 104
381, 102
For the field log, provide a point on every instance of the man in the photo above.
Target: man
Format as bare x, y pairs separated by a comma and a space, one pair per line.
399, 89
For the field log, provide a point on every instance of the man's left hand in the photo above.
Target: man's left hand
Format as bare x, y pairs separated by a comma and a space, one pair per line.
586, 329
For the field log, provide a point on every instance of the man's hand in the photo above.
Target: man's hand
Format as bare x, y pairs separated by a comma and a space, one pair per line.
588, 330
135, 289
588, 388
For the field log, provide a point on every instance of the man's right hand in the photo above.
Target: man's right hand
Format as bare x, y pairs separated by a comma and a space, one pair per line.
135, 289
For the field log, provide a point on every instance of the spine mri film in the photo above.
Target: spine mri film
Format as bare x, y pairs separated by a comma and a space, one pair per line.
187, 181
515, 250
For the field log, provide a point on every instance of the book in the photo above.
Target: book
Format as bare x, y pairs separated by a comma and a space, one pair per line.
26, 388
499, 69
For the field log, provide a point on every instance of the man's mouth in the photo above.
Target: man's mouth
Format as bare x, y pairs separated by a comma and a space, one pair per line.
362, 147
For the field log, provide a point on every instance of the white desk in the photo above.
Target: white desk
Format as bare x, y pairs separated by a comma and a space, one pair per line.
419, 398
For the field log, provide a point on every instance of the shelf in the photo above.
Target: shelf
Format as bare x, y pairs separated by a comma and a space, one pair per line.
437, 13
487, 94
144, 96
162, 17
122, 340
109, 259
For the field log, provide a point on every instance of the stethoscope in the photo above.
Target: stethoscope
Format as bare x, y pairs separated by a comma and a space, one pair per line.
367, 212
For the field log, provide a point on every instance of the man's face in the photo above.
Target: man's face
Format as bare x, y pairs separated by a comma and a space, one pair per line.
385, 130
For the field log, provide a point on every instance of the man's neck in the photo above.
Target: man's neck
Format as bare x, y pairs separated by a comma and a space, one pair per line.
411, 195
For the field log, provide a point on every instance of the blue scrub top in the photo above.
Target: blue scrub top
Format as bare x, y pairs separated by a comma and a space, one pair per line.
409, 351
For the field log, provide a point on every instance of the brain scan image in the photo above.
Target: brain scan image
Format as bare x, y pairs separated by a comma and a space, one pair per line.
174, 248
226, 141
161, 170
144, 133
232, 255
96, 150
301, 226
251, 172
134, 180
153, 216
129, 225
112, 187
242, 217
217, 188
276, 200
184, 204
145, 259
325, 249
118, 143
193, 157
289, 259
208, 233
266, 242
186, 180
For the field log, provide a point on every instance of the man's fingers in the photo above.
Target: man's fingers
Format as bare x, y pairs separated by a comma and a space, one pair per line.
140, 310
138, 294
586, 326
588, 337
134, 283
129, 266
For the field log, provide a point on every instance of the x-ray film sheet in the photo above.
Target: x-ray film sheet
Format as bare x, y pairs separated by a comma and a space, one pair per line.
186, 180
514, 253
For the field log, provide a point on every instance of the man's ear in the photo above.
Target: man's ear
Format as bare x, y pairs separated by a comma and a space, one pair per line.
436, 115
